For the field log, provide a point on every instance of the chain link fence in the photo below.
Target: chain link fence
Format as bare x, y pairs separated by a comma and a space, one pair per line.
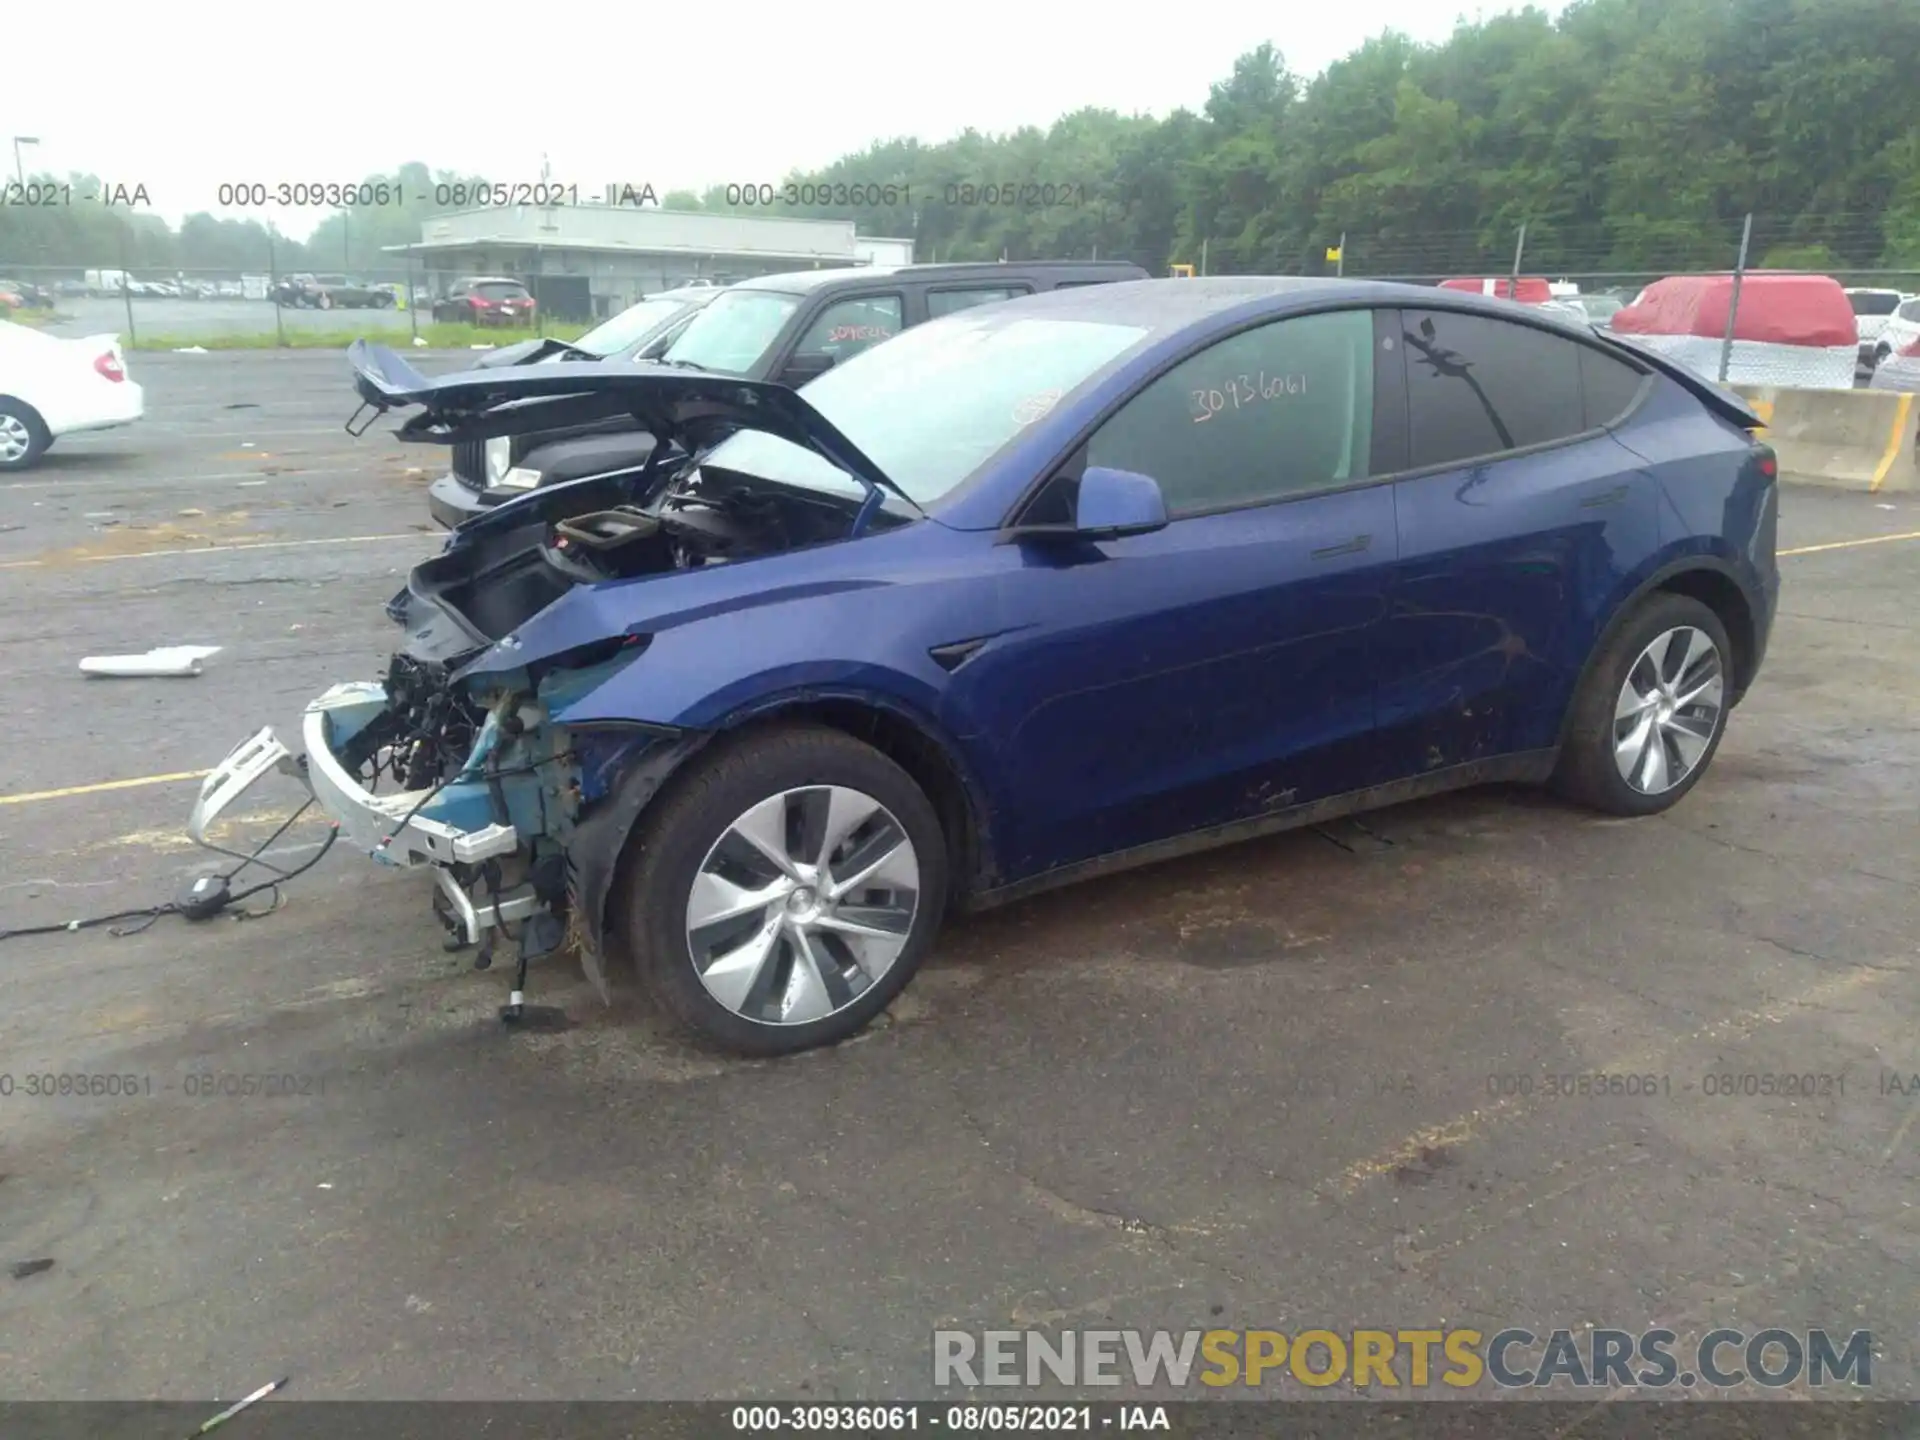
1744, 327
225, 308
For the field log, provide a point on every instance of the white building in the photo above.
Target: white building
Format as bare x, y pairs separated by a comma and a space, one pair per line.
590, 261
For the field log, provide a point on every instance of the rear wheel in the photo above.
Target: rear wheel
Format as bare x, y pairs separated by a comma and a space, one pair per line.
23, 435
784, 891
1651, 712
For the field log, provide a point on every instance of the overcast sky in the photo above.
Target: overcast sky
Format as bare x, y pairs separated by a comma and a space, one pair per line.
198, 94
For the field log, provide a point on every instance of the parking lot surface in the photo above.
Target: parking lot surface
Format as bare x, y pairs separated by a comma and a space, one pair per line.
1273, 1086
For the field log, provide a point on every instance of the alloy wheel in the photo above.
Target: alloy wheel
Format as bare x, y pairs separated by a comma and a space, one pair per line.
15, 440
1668, 710
802, 905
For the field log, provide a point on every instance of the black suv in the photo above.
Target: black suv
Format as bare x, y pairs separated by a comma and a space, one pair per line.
786, 328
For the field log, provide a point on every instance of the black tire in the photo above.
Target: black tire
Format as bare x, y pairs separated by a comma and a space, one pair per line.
1587, 772
37, 437
685, 822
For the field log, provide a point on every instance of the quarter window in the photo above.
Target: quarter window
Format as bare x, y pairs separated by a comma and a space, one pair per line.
1477, 387
1282, 410
1608, 387
846, 328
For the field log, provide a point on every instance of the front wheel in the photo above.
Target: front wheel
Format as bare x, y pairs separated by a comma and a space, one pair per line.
1651, 711
784, 891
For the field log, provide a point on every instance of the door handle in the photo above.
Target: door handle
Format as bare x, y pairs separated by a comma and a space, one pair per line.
1357, 545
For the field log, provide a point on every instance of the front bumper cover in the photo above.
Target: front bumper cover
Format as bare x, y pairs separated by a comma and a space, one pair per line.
388, 828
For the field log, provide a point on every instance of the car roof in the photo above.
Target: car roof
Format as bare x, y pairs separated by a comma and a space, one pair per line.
804, 281
489, 280
686, 293
1164, 306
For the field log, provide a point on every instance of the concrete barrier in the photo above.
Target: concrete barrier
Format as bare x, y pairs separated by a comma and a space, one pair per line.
1842, 439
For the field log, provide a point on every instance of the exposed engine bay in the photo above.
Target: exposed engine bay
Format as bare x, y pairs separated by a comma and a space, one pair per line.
526, 556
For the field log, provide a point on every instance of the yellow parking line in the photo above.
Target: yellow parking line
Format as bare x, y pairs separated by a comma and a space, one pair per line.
103, 785
1848, 544
207, 550
1901, 415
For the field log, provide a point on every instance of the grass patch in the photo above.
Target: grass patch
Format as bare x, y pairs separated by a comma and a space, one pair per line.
31, 317
400, 337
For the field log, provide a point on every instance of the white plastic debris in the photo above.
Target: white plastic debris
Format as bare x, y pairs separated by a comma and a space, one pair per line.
418, 341
189, 349
165, 660
480, 347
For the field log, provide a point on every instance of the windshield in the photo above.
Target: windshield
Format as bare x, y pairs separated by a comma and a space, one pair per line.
930, 407
730, 335
631, 326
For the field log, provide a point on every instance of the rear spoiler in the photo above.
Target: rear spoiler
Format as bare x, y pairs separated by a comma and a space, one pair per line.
1727, 404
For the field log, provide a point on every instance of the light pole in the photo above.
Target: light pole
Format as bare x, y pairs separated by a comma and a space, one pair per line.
20, 170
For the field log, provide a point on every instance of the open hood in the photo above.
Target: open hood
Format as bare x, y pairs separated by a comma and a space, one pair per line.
687, 406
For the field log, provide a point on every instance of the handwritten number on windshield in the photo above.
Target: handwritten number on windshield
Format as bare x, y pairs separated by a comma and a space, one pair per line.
1244, 390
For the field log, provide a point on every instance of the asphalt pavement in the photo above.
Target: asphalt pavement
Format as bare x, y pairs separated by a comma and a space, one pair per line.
1272, 1086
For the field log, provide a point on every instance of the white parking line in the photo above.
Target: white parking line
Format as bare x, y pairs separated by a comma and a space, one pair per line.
211, 550
149, 482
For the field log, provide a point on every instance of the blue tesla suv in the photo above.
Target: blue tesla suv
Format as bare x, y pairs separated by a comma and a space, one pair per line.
1035, 592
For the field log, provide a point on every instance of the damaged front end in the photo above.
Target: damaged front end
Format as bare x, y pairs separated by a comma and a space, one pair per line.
462, 757
478, 778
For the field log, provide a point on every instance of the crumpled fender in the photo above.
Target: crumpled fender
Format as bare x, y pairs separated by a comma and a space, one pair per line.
600, 838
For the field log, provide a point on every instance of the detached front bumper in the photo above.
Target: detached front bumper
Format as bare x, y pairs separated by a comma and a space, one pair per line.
394, 829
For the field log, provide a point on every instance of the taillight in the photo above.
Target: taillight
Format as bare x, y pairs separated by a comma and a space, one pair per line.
480, 304
1911, 350
108, 367
1766, 462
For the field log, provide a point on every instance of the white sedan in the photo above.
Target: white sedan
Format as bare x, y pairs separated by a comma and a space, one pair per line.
51, 387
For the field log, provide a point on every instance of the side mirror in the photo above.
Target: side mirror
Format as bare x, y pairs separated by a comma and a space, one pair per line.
802, 368
1108, 504
1113, 503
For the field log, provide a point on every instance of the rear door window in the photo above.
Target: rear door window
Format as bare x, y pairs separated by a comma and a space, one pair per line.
847, 327
1479, 387
946, 302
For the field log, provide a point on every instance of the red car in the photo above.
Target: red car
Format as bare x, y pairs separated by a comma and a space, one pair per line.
486, 300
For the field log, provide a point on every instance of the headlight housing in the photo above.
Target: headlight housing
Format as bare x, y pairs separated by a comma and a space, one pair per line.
499, 458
